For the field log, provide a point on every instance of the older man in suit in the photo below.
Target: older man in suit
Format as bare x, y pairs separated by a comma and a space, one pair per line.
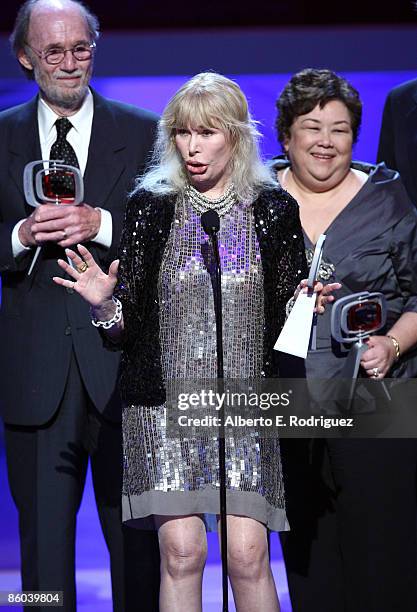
398, 137
58, 385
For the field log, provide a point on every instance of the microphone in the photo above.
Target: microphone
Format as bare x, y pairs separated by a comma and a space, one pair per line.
210, 221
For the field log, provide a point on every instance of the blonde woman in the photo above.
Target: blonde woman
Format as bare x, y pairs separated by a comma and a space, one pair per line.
160, 305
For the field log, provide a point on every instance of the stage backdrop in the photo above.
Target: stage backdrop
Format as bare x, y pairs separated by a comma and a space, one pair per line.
261, 89
145, 68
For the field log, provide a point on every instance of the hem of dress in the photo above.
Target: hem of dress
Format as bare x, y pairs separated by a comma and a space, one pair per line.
138, 510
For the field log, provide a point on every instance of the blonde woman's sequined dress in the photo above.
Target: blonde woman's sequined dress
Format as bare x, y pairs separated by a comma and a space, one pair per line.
165, 475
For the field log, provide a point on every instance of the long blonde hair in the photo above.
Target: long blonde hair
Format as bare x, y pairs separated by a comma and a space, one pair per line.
208, 100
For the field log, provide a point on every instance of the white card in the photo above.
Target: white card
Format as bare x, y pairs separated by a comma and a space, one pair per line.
294, 338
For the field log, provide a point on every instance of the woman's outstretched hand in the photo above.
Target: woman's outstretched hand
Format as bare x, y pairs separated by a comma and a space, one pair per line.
89, 280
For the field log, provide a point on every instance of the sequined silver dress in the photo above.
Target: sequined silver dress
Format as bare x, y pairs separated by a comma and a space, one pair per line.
180, 476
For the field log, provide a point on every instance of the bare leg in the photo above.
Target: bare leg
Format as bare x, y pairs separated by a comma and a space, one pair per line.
183, 547
248, 563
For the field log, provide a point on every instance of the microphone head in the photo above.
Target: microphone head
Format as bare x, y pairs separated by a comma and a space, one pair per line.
210, 221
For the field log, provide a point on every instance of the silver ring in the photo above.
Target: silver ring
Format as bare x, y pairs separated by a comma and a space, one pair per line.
375, 372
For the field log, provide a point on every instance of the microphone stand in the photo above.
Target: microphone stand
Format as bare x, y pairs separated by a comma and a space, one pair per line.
211, 224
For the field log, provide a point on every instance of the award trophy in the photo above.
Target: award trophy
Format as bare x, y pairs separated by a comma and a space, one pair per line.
354, 318
51, 182
299, 331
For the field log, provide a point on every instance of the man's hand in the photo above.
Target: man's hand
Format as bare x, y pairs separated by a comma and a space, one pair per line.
64, 224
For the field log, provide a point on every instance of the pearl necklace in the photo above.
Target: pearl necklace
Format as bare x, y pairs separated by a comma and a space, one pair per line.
202, 203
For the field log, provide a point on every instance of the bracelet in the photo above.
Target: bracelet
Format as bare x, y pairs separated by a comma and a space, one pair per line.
115, 318
289, 305
396, 346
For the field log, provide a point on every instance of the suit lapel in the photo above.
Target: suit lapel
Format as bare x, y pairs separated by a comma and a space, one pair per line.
104, 167
24, 145
105, 163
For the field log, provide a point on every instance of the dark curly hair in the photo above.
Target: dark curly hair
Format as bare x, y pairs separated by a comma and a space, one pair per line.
18, 38
310, 87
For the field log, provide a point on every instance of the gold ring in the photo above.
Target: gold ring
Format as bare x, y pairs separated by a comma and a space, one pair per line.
82, 267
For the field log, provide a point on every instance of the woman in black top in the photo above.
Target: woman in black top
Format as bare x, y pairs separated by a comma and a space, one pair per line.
157, 306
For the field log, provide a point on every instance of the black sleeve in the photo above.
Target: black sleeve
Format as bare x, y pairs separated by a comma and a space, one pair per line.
12, 207
130, 279
386, 147
292, 260
404, 259
284, 264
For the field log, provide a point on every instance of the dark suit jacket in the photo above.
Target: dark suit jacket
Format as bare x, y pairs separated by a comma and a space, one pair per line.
398, 138
40, 322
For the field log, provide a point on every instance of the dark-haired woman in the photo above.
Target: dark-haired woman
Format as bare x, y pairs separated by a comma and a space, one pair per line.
352, 547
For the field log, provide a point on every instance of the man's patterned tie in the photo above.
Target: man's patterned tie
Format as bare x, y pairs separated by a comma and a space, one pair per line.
61, 184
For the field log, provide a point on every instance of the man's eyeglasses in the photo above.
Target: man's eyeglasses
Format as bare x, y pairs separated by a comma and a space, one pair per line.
56, 55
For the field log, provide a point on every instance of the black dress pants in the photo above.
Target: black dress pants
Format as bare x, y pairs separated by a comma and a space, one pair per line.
352, 512
47, 468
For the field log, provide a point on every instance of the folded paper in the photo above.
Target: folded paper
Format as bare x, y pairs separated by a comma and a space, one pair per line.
295, 336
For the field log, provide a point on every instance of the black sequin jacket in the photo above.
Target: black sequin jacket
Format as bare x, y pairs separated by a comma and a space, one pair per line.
147, 227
